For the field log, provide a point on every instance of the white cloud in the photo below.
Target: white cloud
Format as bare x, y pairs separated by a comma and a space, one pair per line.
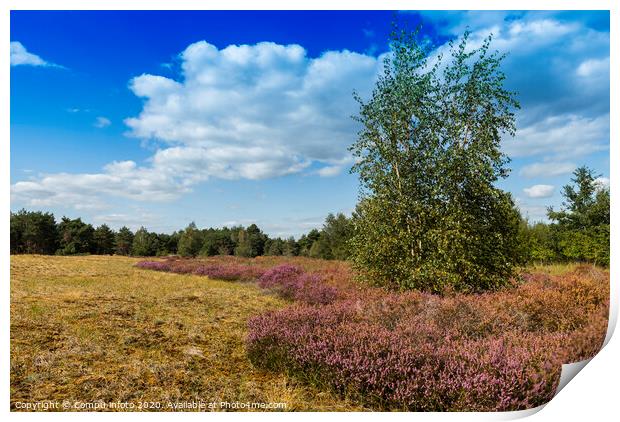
561, 137
593, 67
102, 122
22, 57
254, 111
547, 169
249, 111
88, 190
329, 171
559, 68
134, 221
602, 182
539, 191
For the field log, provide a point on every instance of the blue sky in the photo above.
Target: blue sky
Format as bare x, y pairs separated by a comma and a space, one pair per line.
222, 118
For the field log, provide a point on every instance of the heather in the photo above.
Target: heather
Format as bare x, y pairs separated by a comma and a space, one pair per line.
416, 351
230, 271
287, 281
291, 282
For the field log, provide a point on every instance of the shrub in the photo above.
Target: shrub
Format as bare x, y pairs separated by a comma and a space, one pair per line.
154, 265
292, 283
311, 289
280, 276
230, 273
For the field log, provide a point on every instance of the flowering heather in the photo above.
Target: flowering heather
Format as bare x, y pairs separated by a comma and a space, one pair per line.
312, 290
228, 271
153, 265
282, 277
291, 282
416, 351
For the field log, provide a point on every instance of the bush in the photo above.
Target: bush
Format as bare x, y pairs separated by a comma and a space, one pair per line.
154, 265
292, 283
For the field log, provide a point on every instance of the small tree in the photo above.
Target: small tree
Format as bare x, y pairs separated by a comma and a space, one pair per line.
337, 232
291, 247
321, 248
586, 203
190, 241
123, 241
257, 240
582, 224
143, 244
103, 239
428, 155
75, 237
307, 240
274, 247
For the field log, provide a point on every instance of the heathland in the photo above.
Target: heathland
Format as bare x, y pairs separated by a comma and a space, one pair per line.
298, 331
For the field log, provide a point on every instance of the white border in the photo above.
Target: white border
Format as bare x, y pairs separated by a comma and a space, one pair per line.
591, 396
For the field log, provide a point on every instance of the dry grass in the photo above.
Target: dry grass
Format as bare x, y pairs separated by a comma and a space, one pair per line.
96, 328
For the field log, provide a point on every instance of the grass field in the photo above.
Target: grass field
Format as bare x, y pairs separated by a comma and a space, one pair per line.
96, 328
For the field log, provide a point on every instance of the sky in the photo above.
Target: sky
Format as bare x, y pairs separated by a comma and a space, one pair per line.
158, 119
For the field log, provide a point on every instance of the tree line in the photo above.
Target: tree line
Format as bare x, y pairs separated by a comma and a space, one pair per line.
579, 231
37, 232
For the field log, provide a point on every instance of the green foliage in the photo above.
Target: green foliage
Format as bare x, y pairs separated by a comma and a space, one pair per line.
538, 242
321, 248
250, 242
336, 232
274, 247
75, 237
291, 247
585, 204
244, 247
428, 155
582, 224
217, 242
144, 244
257, 240
190, 242
123, 241
103, 240
305, 242
166, 243
33, 232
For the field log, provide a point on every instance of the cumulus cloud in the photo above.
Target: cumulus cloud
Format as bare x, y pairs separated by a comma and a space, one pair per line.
87, 190
593, 67
561, 137
253, 111
245, 111
602, 182
102, 122
547, 169
539, 191
22, 57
